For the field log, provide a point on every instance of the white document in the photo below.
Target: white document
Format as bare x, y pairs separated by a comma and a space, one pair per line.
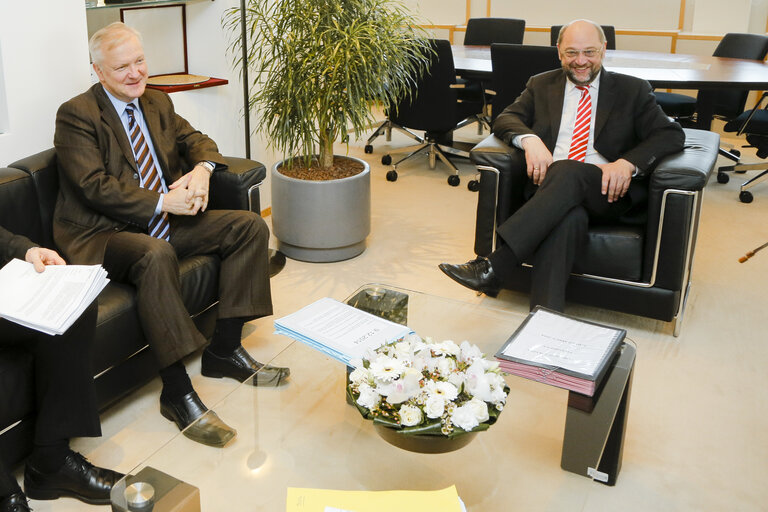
339, 330
556, 340
49, 301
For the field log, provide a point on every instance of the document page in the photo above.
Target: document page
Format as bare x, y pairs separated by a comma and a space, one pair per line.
552, 339
48, 301
339, 330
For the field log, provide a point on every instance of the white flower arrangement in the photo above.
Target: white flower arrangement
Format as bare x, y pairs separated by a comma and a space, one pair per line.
424, 387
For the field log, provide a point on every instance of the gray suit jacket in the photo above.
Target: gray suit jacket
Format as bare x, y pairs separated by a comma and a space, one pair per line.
628, 122
99, 183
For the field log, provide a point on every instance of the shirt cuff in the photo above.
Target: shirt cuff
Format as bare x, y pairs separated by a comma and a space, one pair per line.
159, 207
518, 141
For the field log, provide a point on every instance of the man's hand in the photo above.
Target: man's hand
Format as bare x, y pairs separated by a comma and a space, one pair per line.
40, 257
537, 158
194, 186
616, 178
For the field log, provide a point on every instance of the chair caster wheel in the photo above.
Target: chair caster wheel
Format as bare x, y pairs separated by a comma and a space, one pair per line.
473, 185
392, 176
745, 196
386, 159
723, 178
454, 181
368, 149
736, 152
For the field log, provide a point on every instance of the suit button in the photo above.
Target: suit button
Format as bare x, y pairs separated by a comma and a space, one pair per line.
135, 175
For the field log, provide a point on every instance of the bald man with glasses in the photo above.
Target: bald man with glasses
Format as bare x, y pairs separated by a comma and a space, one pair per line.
591, 138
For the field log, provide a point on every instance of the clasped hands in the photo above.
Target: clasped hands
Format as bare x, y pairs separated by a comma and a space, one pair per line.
617, 175
189, 194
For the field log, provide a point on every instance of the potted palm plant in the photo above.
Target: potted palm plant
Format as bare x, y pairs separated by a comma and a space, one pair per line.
319, 67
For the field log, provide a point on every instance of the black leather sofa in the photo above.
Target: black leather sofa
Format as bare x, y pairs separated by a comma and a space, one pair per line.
121, 358
640, 265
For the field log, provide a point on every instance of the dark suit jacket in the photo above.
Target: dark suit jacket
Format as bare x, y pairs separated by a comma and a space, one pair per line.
628, 124
12, 246
99, 183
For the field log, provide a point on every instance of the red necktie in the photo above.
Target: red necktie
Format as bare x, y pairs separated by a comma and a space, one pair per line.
158, 225
580, 135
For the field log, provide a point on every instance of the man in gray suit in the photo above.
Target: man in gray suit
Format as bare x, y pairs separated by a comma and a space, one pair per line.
591, 137
134, 180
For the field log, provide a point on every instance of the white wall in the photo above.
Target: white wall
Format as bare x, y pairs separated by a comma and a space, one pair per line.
45, 62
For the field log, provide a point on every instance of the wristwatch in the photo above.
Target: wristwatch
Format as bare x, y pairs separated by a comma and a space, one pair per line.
208, 166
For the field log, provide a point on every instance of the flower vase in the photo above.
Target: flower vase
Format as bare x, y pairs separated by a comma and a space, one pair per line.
423, 443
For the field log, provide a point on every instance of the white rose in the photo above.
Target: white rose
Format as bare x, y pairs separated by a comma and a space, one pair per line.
447, 347
359, 375
478, 408
410, 416
402, 350
434, 407
446, 366
368, 398
464, 418
457, 379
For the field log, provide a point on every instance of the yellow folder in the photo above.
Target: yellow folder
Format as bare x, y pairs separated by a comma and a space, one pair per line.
323, 500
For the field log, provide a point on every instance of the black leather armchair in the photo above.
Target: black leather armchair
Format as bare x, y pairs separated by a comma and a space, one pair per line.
121, 357
640, 265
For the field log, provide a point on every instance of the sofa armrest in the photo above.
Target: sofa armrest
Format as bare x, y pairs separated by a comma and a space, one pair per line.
236, 188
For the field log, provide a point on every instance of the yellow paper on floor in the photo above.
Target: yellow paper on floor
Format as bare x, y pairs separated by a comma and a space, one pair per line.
323, 500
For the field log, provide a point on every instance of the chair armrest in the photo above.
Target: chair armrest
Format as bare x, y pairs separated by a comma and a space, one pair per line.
236, 188
689, 169
502, 179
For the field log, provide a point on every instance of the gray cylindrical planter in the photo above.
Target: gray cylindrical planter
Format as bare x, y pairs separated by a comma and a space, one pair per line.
321, 221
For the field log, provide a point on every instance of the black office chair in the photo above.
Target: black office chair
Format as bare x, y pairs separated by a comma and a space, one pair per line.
728, 104
753, 123
610, 35
513, 65
484, 32
435, 108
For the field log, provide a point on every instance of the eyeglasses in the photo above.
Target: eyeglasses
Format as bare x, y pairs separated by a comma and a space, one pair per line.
588, 53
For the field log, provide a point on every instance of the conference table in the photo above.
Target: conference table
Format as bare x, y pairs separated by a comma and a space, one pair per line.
662, 70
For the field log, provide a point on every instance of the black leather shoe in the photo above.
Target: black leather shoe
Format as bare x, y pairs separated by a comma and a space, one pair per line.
16, 502
76, 478
240, 366
476, 275
195, 420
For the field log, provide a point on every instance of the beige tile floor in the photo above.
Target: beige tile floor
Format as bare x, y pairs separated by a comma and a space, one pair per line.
697, 432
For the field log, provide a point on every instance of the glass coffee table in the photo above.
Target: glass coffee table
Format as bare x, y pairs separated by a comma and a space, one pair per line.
305, 434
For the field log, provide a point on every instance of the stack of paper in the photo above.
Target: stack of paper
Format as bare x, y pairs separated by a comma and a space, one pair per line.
48, 301
560, 350
339, 330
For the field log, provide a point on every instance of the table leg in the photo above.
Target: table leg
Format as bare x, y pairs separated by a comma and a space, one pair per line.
594, 426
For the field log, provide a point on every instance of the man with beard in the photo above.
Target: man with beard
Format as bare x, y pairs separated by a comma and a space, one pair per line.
591, 138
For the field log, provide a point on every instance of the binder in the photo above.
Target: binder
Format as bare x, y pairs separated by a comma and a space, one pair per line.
561, 350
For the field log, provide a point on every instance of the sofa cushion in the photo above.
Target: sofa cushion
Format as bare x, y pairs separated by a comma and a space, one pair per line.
613, 251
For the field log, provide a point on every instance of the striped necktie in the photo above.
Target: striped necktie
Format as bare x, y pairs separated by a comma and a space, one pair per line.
580, 135
150, 177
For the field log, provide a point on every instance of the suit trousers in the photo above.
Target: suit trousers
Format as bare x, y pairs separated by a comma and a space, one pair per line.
550, 229
239, 238
63, 375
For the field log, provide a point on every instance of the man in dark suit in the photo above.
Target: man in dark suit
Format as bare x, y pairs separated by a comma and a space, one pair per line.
66, 404
591, 137
134, 179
